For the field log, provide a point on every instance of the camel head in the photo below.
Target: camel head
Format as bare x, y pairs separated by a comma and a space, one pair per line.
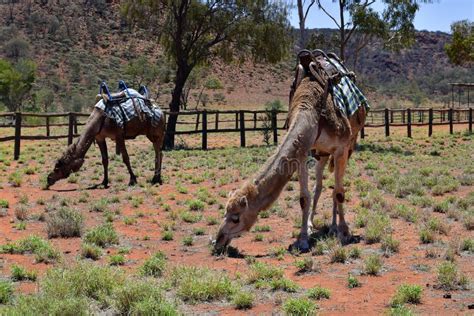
65, 165
241, 214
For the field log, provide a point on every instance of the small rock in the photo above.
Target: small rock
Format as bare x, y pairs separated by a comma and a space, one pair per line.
447, 295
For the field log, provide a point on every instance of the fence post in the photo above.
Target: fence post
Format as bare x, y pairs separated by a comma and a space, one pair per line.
470, 120
204, 130
75, 125
409, 122
430, 122
197, 122
391, 116
71, 128
236, 120
16, 153
48, 133
450, 117
274, 127
242, 129
217, 121
387, 123
403, 116
255, 120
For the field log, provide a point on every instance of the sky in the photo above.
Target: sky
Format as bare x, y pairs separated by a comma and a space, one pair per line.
436, 16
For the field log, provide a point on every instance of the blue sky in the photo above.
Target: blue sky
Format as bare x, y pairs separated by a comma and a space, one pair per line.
436, 16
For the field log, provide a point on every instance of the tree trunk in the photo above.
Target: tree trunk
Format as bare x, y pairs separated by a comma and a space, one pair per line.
182, 74
342, 29
302, 24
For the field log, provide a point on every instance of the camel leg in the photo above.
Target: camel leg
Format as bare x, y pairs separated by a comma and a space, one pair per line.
318, 187
157, 144
126, 160
303, 243
105, 161
340, 162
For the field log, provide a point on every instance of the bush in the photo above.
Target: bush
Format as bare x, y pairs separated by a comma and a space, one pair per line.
468, 245
319, 293
390, 245
6, 291
304, 265
352, 281
377, 226
117, 260
449, 277
338, 254
4, 203
372, 264
102, 236
154, 266
260, 271
20, 274
407, 293
41, 248
196, 284
213, 83
196, 205
91, 251
299, 306
21, 212
243, 300
64, 223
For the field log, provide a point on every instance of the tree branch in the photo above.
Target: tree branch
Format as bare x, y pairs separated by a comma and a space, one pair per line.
327, 13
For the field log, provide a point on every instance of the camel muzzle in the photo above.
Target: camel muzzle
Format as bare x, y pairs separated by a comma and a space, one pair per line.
220, 243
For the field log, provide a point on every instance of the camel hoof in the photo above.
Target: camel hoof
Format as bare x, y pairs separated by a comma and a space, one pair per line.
343, 233
301, 245
132, 182
157, 180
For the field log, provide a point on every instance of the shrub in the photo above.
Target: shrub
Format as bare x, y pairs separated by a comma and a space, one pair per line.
103, 235
190, 217
338, 254
372, 264
167, 235
319, 293
99, 205
15, 179
426, 236
260, 271
407, 293
243, 300
21, 212
355, 253
213, 83
117, 260
352, 281
196, 205
283, 284
377, 226
18, 273
407, 213
390, 245
304, 265
196, 284
41, 248
64, 223
299, 306
400, 310
4, 203
91, 251
154, 266
449, 277
6, 291
188, 241
468, 245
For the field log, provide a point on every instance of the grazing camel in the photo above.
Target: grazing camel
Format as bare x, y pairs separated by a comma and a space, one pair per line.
98, 128
308, 130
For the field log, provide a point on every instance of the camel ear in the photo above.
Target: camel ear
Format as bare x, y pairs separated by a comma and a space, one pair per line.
243, 201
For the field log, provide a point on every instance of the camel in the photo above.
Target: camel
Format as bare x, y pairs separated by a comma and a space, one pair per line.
308, 130
98, 128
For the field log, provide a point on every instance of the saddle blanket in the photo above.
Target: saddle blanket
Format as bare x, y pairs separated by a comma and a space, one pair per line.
125, 112
348, 97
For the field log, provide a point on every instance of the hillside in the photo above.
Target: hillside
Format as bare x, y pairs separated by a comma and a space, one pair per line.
76, 44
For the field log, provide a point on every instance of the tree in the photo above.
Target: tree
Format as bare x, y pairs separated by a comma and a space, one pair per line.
303, 10
193, 31
394, 25
461, 49
142, 71
16, 82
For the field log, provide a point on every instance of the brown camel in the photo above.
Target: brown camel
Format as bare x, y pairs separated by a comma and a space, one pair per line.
308, 130
98, 128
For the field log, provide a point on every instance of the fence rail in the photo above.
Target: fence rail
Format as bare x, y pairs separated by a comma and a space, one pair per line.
205, 122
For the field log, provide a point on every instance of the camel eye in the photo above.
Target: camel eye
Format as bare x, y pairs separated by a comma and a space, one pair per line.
235, 218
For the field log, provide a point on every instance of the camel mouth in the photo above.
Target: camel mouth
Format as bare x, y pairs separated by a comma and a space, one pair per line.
220, 243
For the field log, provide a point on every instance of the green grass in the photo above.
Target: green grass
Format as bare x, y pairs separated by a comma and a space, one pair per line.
407, 293
372, 264
318, 293
449, 278
90, 251
6, 291
304, 265
390, 245
299, 307
194, 284
468, 245
19, 273
167, 235
338, 254
243, 300
117, 260
188, 241
352, 281
4, 203
64, 223
154, 266
103, 236
377, 226
42, 249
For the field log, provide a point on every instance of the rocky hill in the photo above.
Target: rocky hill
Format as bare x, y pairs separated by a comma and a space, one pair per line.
76, 44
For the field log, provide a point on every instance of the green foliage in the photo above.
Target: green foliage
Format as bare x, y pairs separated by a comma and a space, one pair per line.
407, 293
20, 274
449, 277
154, 266
142, 71
65, 222
213, 83
299, 307
3, 203
352, 281
461, 49
91, 251
42, 249
16, 82
6, 291
243, 300
103, 236
195, 284
372, 264
117, 260
318, 293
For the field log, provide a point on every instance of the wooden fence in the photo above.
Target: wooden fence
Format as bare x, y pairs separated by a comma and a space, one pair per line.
205, 122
